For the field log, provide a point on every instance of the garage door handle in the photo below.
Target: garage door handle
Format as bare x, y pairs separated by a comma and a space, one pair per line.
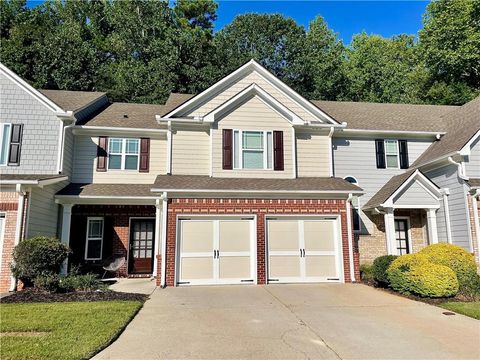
303, 252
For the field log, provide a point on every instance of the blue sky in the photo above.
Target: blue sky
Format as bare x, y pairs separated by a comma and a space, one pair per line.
347, 18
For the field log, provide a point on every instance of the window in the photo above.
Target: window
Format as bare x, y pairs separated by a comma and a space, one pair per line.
94, 242
355, 205
391, 153
252, 149
4, 142
123, 154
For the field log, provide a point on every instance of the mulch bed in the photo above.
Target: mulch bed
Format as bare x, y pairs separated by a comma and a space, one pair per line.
35, 296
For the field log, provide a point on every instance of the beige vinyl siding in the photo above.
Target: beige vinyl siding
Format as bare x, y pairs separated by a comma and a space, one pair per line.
252, 78
68, 153
43, 213
313, 154
253, 115
190, 151
85, 164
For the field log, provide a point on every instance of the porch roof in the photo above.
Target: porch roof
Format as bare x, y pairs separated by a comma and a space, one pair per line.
107, 191
474, 183
29, 179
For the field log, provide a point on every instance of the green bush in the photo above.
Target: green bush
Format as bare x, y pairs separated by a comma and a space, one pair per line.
38, 256
379, 268
366, 273
85, 283
471, 288
453, 256
49, 282
414, 274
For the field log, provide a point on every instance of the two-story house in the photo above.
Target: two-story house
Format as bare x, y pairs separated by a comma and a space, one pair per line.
249, 182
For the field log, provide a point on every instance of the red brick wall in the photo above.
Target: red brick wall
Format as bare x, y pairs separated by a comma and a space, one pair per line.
8, 205
260, 208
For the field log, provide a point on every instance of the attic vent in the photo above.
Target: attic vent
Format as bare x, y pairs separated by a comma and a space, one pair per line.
125, 116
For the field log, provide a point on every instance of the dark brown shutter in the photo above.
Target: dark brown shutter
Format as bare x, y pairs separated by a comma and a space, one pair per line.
278, 150
380, 149
102, 153
403, 152
15, 144
144, 155
227, 145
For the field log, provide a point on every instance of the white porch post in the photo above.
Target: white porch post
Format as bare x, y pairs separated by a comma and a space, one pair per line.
390, 231
163, 278
65, 236
158, 214
18, 227
432, 226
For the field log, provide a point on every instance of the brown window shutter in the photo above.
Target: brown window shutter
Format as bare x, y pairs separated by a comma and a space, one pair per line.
278, 150
102, 153
144, 155
15, 145
227, 145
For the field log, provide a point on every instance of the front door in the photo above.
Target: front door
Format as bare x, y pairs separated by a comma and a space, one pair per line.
142, 235
401, 236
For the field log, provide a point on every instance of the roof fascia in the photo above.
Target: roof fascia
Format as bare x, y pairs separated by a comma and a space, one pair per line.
107, 130
402, 133
244, 191
466, 149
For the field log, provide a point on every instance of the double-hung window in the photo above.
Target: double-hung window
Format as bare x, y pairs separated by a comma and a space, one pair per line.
4, 142
123, 154
391, 154
252, 149
94, 240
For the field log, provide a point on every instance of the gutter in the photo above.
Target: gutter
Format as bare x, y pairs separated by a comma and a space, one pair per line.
461, 173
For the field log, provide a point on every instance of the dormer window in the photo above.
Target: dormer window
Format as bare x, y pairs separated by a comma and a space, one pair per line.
252, 149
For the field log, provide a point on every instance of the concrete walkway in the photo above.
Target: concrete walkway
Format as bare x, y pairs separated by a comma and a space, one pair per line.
292, 322
140, 285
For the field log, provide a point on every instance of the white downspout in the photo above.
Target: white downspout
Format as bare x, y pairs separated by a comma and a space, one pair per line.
330, 144
18, 227
461, 173
169, 148
446, 210
350, 237
476, 220
163, 276
61, 138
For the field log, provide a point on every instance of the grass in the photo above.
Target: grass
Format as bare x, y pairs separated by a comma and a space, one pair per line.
74, 330
471, 309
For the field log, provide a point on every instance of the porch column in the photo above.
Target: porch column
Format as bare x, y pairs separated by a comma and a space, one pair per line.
432, 226
65, 236
18, 227
390, 231
158, 218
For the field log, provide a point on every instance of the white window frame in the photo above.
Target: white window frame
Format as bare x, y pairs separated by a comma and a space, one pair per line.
2, 129
391, 154
88, 239
123, 154
241, 149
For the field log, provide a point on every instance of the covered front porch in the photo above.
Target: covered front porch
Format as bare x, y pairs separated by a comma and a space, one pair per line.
103, 223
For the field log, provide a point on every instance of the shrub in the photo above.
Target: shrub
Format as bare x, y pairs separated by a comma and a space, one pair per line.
453, 256
379, 269
85, 283
49, 282
471, 288
38, 256
366, 273
414, 274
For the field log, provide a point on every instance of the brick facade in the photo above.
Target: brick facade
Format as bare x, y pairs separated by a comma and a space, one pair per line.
260, 208
374, 244
473, 229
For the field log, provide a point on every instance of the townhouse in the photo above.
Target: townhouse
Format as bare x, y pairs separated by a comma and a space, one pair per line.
246, 182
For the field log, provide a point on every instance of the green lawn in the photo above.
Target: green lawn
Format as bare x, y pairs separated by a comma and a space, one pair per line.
471, 309
69, 330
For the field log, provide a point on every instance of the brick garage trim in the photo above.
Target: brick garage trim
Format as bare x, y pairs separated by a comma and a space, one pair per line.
261, 208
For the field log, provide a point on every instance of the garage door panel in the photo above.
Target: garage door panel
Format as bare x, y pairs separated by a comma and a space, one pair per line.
320, 266
284, 266
237, 267
197, 236
196, 268
319, 235
283, 235
234, 236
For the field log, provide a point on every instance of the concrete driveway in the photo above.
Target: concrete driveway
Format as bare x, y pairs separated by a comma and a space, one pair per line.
331, 321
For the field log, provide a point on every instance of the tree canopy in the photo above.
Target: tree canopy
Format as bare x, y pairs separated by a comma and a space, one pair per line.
141, 50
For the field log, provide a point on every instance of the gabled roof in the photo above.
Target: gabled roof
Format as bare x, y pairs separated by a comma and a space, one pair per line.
244, 70
463, 125
474, 183
72, 100
396, 183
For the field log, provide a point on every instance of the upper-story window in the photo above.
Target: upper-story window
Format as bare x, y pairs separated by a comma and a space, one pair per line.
10, 144
4, 142
123, 154
391, 154
252, 149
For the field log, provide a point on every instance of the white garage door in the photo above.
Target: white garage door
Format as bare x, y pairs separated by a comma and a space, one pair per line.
303, 250
216, 251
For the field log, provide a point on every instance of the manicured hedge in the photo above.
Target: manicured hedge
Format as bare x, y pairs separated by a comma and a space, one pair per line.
379, 268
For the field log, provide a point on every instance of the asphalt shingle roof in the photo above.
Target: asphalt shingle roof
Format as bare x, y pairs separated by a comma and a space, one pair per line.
116, 190
72, 100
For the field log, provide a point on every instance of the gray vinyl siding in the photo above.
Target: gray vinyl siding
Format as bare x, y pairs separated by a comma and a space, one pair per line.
356, 157
68, 153
472, 166
43, 211
41, 128
415, 194
447, 177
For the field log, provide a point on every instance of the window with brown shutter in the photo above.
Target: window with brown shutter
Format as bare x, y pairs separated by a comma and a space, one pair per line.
227, 142
278, 150
102, 153
144, 155
15, 145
